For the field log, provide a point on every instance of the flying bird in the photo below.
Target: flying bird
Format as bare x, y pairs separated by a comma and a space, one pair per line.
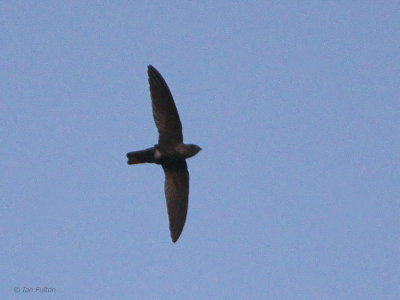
170, 152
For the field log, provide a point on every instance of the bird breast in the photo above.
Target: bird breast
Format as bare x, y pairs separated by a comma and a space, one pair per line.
157, 154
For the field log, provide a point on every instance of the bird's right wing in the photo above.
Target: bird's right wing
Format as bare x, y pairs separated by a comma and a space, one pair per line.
164, 110
176, 194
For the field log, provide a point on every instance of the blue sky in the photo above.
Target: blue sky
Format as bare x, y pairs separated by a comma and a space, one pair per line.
295, 194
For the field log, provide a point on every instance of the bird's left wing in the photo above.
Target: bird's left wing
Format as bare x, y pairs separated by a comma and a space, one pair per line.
176, 194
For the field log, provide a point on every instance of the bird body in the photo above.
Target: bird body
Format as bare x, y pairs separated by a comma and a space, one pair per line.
170, 152
159, 156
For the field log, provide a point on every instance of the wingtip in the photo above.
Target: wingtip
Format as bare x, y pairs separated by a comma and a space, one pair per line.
175, 235
152, 71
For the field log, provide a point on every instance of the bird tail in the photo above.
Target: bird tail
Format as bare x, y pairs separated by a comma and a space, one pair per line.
142, 156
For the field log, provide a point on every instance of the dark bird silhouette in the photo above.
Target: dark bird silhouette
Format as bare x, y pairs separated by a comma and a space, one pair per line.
170, 152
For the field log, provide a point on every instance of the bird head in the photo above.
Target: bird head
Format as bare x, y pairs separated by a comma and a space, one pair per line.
188, 150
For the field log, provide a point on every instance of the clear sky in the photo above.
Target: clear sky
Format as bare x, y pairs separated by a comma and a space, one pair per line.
295, 194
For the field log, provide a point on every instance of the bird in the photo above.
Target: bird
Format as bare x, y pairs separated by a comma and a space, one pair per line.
170, 152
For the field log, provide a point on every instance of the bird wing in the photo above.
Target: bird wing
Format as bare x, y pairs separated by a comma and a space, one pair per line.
176, 194
165, 113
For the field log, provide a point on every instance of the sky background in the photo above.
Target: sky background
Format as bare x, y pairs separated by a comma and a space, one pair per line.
295, 194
